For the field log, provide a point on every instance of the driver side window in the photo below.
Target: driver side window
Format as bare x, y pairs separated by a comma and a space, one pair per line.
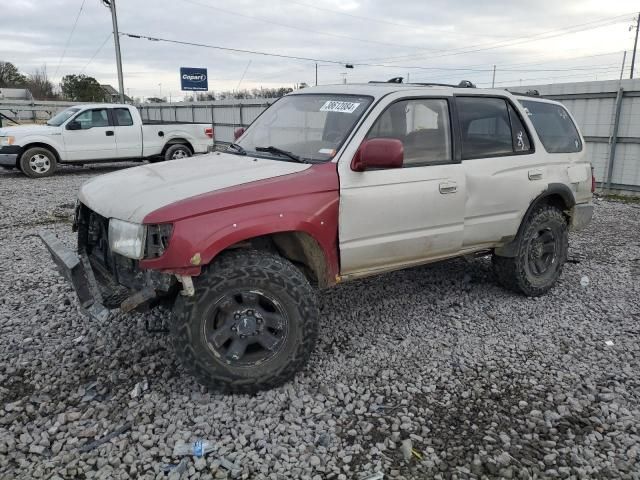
423, 127
93, 118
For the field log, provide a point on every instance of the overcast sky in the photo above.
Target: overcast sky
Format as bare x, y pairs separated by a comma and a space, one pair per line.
432, 40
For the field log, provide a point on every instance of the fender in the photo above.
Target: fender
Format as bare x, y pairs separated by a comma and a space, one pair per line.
306, 202
568, 199
57, 148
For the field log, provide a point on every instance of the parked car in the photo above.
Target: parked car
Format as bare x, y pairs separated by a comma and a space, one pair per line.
98, 133
330, 184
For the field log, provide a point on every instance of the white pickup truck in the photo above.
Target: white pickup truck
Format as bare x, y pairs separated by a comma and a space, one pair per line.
98, 133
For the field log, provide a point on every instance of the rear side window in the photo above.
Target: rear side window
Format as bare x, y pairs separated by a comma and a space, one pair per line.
490, 127
555, 128
123, 117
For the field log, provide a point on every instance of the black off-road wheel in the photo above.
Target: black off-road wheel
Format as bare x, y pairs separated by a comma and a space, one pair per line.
38, 162
541, 252
251, 325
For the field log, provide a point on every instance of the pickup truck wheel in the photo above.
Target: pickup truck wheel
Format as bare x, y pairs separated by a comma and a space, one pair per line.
541, 253
38, 162
251, 325
176, 152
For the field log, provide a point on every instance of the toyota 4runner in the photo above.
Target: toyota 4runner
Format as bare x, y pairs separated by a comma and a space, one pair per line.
327, 185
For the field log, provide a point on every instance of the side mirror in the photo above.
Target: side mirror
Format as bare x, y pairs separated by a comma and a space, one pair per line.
238, 133
73, 125
378, 153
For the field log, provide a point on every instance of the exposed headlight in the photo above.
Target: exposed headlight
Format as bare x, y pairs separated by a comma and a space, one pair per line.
6, 141
127, 238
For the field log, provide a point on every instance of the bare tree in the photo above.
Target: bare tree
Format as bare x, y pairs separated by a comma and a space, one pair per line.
39, 85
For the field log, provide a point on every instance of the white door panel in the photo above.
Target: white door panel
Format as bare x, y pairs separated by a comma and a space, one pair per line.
128, 135
129, 141
392, 217
499, 191
94, 141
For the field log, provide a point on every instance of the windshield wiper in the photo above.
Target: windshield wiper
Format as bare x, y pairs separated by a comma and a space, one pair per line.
238, 148
279, 151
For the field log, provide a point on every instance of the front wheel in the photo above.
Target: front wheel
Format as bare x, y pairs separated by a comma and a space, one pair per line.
176, 152
541, 253
251, 325
38, 162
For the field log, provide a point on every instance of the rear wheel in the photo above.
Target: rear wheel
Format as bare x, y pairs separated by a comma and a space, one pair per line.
176, 152
38, 162
251, 325
541, 253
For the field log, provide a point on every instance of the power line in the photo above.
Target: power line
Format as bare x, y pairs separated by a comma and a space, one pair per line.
310, 59
228, 49
73, 29
96, 52
518, 41
293, 27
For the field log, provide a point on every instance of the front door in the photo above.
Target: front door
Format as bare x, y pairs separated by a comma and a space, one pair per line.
93, 140
390, 218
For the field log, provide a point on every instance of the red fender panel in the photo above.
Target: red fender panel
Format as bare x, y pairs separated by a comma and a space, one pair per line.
206, 224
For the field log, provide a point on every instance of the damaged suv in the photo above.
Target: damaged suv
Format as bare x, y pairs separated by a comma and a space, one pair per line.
329, 184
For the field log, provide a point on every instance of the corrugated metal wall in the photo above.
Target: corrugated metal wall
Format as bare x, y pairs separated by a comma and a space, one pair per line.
594, 105
224, 115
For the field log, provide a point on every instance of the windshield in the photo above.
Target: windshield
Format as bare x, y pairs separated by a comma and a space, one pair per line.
62, 117
311, 127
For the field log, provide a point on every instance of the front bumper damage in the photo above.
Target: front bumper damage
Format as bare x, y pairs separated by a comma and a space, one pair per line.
97, 293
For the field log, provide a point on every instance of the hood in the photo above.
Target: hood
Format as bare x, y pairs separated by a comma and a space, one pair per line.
24, 130
131, 194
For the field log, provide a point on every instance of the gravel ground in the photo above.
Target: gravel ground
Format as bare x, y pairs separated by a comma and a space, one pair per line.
434, 372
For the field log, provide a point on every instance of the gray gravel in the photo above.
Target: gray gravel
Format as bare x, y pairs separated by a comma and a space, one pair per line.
434, 372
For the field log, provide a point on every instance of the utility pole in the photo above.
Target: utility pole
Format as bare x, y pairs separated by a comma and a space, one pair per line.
635, 45
316, 74
493, 80
111, 5
624, 60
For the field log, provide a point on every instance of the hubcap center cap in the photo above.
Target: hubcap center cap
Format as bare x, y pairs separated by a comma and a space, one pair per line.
247, 325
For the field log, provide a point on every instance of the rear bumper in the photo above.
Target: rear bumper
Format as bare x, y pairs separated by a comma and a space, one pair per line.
581, 216
95, 291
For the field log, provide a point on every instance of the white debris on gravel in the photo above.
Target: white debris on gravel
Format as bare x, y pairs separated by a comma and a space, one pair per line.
485, 383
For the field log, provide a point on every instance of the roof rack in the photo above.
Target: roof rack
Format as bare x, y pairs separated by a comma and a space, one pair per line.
528, 93
462, 84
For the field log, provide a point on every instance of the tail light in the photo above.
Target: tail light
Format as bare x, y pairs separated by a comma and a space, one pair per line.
593, 181
238, 133
208, 132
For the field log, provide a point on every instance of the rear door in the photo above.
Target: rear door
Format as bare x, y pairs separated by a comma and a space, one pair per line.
94, 140
395, 217
128, 135
504, 170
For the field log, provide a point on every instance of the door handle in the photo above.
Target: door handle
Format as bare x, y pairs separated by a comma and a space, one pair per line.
448, 187
109, 133
535, 174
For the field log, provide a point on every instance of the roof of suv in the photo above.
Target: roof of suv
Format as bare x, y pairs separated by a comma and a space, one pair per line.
378, 90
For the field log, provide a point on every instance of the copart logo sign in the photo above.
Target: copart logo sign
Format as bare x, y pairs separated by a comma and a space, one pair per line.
194, 79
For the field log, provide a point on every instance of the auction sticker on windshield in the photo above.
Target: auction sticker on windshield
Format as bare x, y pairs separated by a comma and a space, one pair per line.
337, 106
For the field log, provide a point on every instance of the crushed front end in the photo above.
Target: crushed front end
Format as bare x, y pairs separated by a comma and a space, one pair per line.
104, 279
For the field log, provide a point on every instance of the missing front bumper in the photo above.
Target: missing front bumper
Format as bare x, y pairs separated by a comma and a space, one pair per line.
77, 269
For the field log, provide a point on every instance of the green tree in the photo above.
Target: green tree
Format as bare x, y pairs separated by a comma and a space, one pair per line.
10, 77
81, 88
